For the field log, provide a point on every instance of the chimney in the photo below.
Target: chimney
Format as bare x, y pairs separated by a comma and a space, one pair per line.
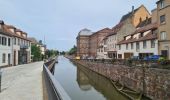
133, 9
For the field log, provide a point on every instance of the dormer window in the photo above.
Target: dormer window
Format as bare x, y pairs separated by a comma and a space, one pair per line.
141, 34
162, 4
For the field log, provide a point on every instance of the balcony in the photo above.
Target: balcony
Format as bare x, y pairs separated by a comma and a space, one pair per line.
23, 46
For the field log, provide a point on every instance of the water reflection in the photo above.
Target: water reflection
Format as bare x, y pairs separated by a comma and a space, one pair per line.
83, 84
87, 79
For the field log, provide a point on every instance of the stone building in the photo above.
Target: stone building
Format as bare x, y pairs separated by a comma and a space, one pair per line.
163, 16
83, 40
95, 40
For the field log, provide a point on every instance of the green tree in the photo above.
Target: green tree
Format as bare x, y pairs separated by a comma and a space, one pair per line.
36, 52
73, 50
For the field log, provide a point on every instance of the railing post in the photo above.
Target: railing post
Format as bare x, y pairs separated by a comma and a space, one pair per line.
0, 78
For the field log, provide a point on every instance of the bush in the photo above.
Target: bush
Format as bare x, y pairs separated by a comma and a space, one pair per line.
163, 61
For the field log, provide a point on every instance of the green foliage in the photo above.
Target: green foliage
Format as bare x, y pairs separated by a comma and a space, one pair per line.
163, 61
62, 53
36, 52
51, 53
72, 50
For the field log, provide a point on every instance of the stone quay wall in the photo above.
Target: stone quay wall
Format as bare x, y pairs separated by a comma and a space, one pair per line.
154, 83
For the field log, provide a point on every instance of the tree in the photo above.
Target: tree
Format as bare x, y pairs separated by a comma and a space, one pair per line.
51, 53
72, 50
36, 52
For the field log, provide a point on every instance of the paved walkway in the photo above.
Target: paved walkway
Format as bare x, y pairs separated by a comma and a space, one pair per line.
23, 82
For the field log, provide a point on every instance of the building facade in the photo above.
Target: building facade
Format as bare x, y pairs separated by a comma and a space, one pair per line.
5, 47
96, 39
83, 41
18, 45
142, 43
163, 16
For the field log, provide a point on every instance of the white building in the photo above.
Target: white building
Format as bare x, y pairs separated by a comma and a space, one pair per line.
16, 48
5, 47
102, 49
111, 46
142, 43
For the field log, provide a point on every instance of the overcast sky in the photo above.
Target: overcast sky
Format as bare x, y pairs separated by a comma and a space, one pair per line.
59, 21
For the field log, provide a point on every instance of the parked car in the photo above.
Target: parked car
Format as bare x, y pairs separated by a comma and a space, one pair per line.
153, 57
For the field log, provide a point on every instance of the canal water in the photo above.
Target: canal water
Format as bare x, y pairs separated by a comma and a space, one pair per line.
83, 84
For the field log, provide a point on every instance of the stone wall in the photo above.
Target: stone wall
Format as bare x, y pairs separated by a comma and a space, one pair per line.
154, 83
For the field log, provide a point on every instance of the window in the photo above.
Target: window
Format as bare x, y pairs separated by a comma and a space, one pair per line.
18, 41
144, 44
152, 43
162, 19
131, 45
119, 47
137, 46
162, 4
163, 35
14, 41
3, 40
126, 46
9, 42
3, 58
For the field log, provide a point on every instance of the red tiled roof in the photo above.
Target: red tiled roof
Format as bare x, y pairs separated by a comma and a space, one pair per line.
149, 36
6, 30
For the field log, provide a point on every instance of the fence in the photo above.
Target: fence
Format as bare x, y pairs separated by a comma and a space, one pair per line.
54, 89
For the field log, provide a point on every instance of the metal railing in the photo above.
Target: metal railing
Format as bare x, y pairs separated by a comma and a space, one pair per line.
54, 89
0, 78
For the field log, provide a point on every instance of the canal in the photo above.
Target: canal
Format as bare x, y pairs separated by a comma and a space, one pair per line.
83, 84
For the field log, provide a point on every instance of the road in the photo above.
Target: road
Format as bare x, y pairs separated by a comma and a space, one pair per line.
22, 82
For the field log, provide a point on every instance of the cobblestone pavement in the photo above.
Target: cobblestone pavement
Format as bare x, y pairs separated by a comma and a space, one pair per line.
23, 82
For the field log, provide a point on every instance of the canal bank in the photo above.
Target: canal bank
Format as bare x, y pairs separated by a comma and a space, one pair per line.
154, 83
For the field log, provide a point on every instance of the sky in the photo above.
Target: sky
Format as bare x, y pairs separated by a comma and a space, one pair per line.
59, 21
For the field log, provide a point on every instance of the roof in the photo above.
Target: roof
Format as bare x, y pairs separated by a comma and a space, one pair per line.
1, 22
6, 29
33, 40
145, 22
126, 16
85, 32
145, 28
149, 36
105, 30
130, 14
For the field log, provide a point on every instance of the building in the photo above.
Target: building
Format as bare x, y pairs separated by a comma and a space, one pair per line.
21, 45
102, 49
96, 39
18, 45
142, 43
127, 25
5, 47
83, 40
163, 16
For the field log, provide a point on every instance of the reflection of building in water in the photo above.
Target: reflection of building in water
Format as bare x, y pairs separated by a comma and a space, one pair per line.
83, 80
88, 79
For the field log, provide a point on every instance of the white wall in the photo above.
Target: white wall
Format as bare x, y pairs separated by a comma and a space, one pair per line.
7, 50
148, 49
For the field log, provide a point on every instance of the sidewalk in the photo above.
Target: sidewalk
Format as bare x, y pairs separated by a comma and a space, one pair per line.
23, 82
